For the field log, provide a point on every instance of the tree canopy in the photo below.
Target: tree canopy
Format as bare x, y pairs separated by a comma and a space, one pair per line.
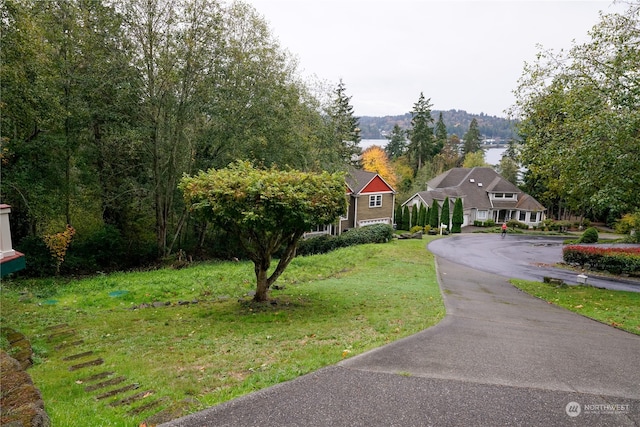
580, 115
266, 209
105, 105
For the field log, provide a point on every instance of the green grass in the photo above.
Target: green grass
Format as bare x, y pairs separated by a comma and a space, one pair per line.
333, 306
616, 308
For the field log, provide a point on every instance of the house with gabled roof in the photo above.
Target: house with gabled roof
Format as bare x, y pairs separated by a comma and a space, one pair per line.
371, 200
485, 196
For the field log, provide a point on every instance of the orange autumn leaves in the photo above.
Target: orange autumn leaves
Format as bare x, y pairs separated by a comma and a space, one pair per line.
374, 159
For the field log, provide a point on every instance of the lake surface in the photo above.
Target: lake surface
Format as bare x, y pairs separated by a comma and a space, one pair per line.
491, 155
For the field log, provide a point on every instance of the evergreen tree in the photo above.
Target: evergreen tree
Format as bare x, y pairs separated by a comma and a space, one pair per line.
458, 216
434, 218
445, 218
422, 144
422, 216
397, 144
414, 216
472, 139
440, 134
406, 221
398, 217
345, 125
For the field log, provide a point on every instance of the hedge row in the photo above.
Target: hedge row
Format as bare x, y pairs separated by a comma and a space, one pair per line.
378, 233
613, 260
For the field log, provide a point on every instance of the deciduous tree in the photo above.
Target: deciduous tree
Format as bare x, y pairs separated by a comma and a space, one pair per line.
267, 210
374, 159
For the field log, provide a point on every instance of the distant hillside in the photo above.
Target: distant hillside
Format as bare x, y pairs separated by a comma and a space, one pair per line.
457, 122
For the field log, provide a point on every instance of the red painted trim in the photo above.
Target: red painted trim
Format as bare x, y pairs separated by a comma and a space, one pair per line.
12, 257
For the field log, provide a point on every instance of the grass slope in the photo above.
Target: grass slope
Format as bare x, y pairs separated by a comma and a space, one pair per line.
333, 306
616, 308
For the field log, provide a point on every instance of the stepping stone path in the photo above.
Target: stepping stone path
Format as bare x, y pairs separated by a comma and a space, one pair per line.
67, 342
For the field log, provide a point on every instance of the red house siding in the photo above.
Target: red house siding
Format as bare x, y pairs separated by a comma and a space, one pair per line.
376, 185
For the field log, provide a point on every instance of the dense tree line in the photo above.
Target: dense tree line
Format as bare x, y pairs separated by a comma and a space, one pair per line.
107, 104
580, 125
456, 121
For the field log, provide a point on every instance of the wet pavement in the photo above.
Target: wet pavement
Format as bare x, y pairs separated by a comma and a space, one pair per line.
519, 256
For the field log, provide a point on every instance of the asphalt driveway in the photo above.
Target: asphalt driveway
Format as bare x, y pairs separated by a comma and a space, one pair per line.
500, 357
518, 256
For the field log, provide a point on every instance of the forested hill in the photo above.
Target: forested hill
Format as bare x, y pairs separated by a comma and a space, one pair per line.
457, 122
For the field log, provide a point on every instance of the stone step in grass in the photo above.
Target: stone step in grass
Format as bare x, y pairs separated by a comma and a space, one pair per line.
133, 398
66, 345
103, 384
56, 327
78, 356
66, 333
146, 399
117, 391
95, 377
147, 406
95, 362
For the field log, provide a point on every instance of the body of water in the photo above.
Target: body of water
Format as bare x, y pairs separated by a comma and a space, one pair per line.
491, 155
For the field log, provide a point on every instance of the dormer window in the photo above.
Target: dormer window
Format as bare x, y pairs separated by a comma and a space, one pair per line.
472, 180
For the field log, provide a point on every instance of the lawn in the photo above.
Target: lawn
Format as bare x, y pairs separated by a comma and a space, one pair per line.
616, 308
198, 354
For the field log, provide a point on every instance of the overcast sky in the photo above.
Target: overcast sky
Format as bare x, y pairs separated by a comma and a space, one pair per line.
465, 55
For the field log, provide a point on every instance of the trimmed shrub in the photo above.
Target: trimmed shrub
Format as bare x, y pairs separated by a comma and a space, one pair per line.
590, 235
614, 260
416, 229
377, 233
512, 223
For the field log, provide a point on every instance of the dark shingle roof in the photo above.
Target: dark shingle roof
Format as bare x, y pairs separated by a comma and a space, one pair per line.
357, 179
474, 184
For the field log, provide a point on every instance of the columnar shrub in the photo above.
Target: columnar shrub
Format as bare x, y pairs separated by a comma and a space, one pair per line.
458, 216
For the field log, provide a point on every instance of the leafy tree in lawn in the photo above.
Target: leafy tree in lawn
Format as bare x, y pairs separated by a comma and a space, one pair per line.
397, 142
266, 209
445, 214
458, 216
434, 215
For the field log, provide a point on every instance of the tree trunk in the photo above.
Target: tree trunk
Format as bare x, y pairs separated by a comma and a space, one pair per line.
262, 283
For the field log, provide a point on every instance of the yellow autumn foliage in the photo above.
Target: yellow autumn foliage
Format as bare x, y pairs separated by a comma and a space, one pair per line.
374, 159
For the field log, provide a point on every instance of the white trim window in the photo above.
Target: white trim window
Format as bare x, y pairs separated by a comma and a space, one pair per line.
482, 215
375, 201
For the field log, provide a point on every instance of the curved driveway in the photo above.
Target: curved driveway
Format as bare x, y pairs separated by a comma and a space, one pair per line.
500, 357
518, 256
